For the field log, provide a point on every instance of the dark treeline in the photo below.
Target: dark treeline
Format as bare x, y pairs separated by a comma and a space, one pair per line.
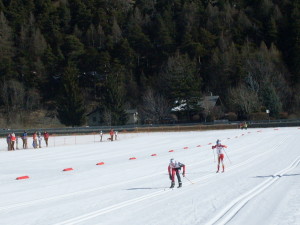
72, 56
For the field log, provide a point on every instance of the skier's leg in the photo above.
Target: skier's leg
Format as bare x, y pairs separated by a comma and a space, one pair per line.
218, 163
179, 178
222, 160
173, 178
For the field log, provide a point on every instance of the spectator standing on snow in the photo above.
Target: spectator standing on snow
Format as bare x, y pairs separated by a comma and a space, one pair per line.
12, 141
17, 142
111, 133
174, 168
8, 141
220, 152
24, 139
46, 137
101, 135
40, 139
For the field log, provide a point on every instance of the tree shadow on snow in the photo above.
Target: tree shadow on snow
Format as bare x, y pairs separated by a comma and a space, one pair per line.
285, 175
200, 172
144, 188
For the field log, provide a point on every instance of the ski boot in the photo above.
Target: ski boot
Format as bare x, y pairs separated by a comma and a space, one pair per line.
172, 184
180, 185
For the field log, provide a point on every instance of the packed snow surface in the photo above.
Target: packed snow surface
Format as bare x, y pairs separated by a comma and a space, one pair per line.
260, 185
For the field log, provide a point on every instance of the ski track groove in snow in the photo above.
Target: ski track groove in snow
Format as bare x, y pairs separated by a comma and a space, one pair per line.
237, 204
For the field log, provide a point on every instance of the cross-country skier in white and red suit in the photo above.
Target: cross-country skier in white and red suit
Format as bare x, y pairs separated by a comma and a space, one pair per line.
220, 152
174, 168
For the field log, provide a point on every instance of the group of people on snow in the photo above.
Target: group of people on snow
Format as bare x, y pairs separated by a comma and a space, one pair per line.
13, 140
113, 135
175, 167
244, 126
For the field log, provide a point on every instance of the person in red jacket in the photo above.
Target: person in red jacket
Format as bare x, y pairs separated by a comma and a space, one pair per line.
220, 152
13, 141
46, 137
174, 168
111, 133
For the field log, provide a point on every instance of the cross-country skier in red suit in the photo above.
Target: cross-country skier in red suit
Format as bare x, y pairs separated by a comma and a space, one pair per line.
220, 152
174, 168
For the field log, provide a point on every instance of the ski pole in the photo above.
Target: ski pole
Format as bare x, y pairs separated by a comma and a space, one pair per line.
189, 180
214, 156
227, 156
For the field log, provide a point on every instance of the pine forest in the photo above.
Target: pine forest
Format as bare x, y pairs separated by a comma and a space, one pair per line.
63, 59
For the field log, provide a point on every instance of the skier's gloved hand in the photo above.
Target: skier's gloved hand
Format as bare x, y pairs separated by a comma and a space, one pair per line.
170, 177
183, 174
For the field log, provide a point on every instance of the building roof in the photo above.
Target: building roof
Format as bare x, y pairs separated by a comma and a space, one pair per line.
209, 101
128, 111
206, 102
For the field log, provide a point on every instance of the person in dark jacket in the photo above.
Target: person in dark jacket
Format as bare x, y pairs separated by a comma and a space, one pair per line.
24, 139
8, 141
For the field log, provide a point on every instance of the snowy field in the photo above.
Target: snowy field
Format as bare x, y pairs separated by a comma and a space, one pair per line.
260, 186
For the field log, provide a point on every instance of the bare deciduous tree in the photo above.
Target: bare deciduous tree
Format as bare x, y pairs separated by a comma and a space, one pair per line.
107, 117
116, 31
207, 108
32, 100
244, 99
155, 106
13, 95
6, 37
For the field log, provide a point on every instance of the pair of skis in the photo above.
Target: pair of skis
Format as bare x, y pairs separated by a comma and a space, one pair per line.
181, 186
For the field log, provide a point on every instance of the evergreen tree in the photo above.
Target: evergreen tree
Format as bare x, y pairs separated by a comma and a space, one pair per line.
295, 47
180, 82
70, 107
271, 100
72, 48
114, 100
271, 32
7, 50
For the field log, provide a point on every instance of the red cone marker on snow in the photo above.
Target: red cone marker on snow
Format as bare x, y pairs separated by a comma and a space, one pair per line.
22, 178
